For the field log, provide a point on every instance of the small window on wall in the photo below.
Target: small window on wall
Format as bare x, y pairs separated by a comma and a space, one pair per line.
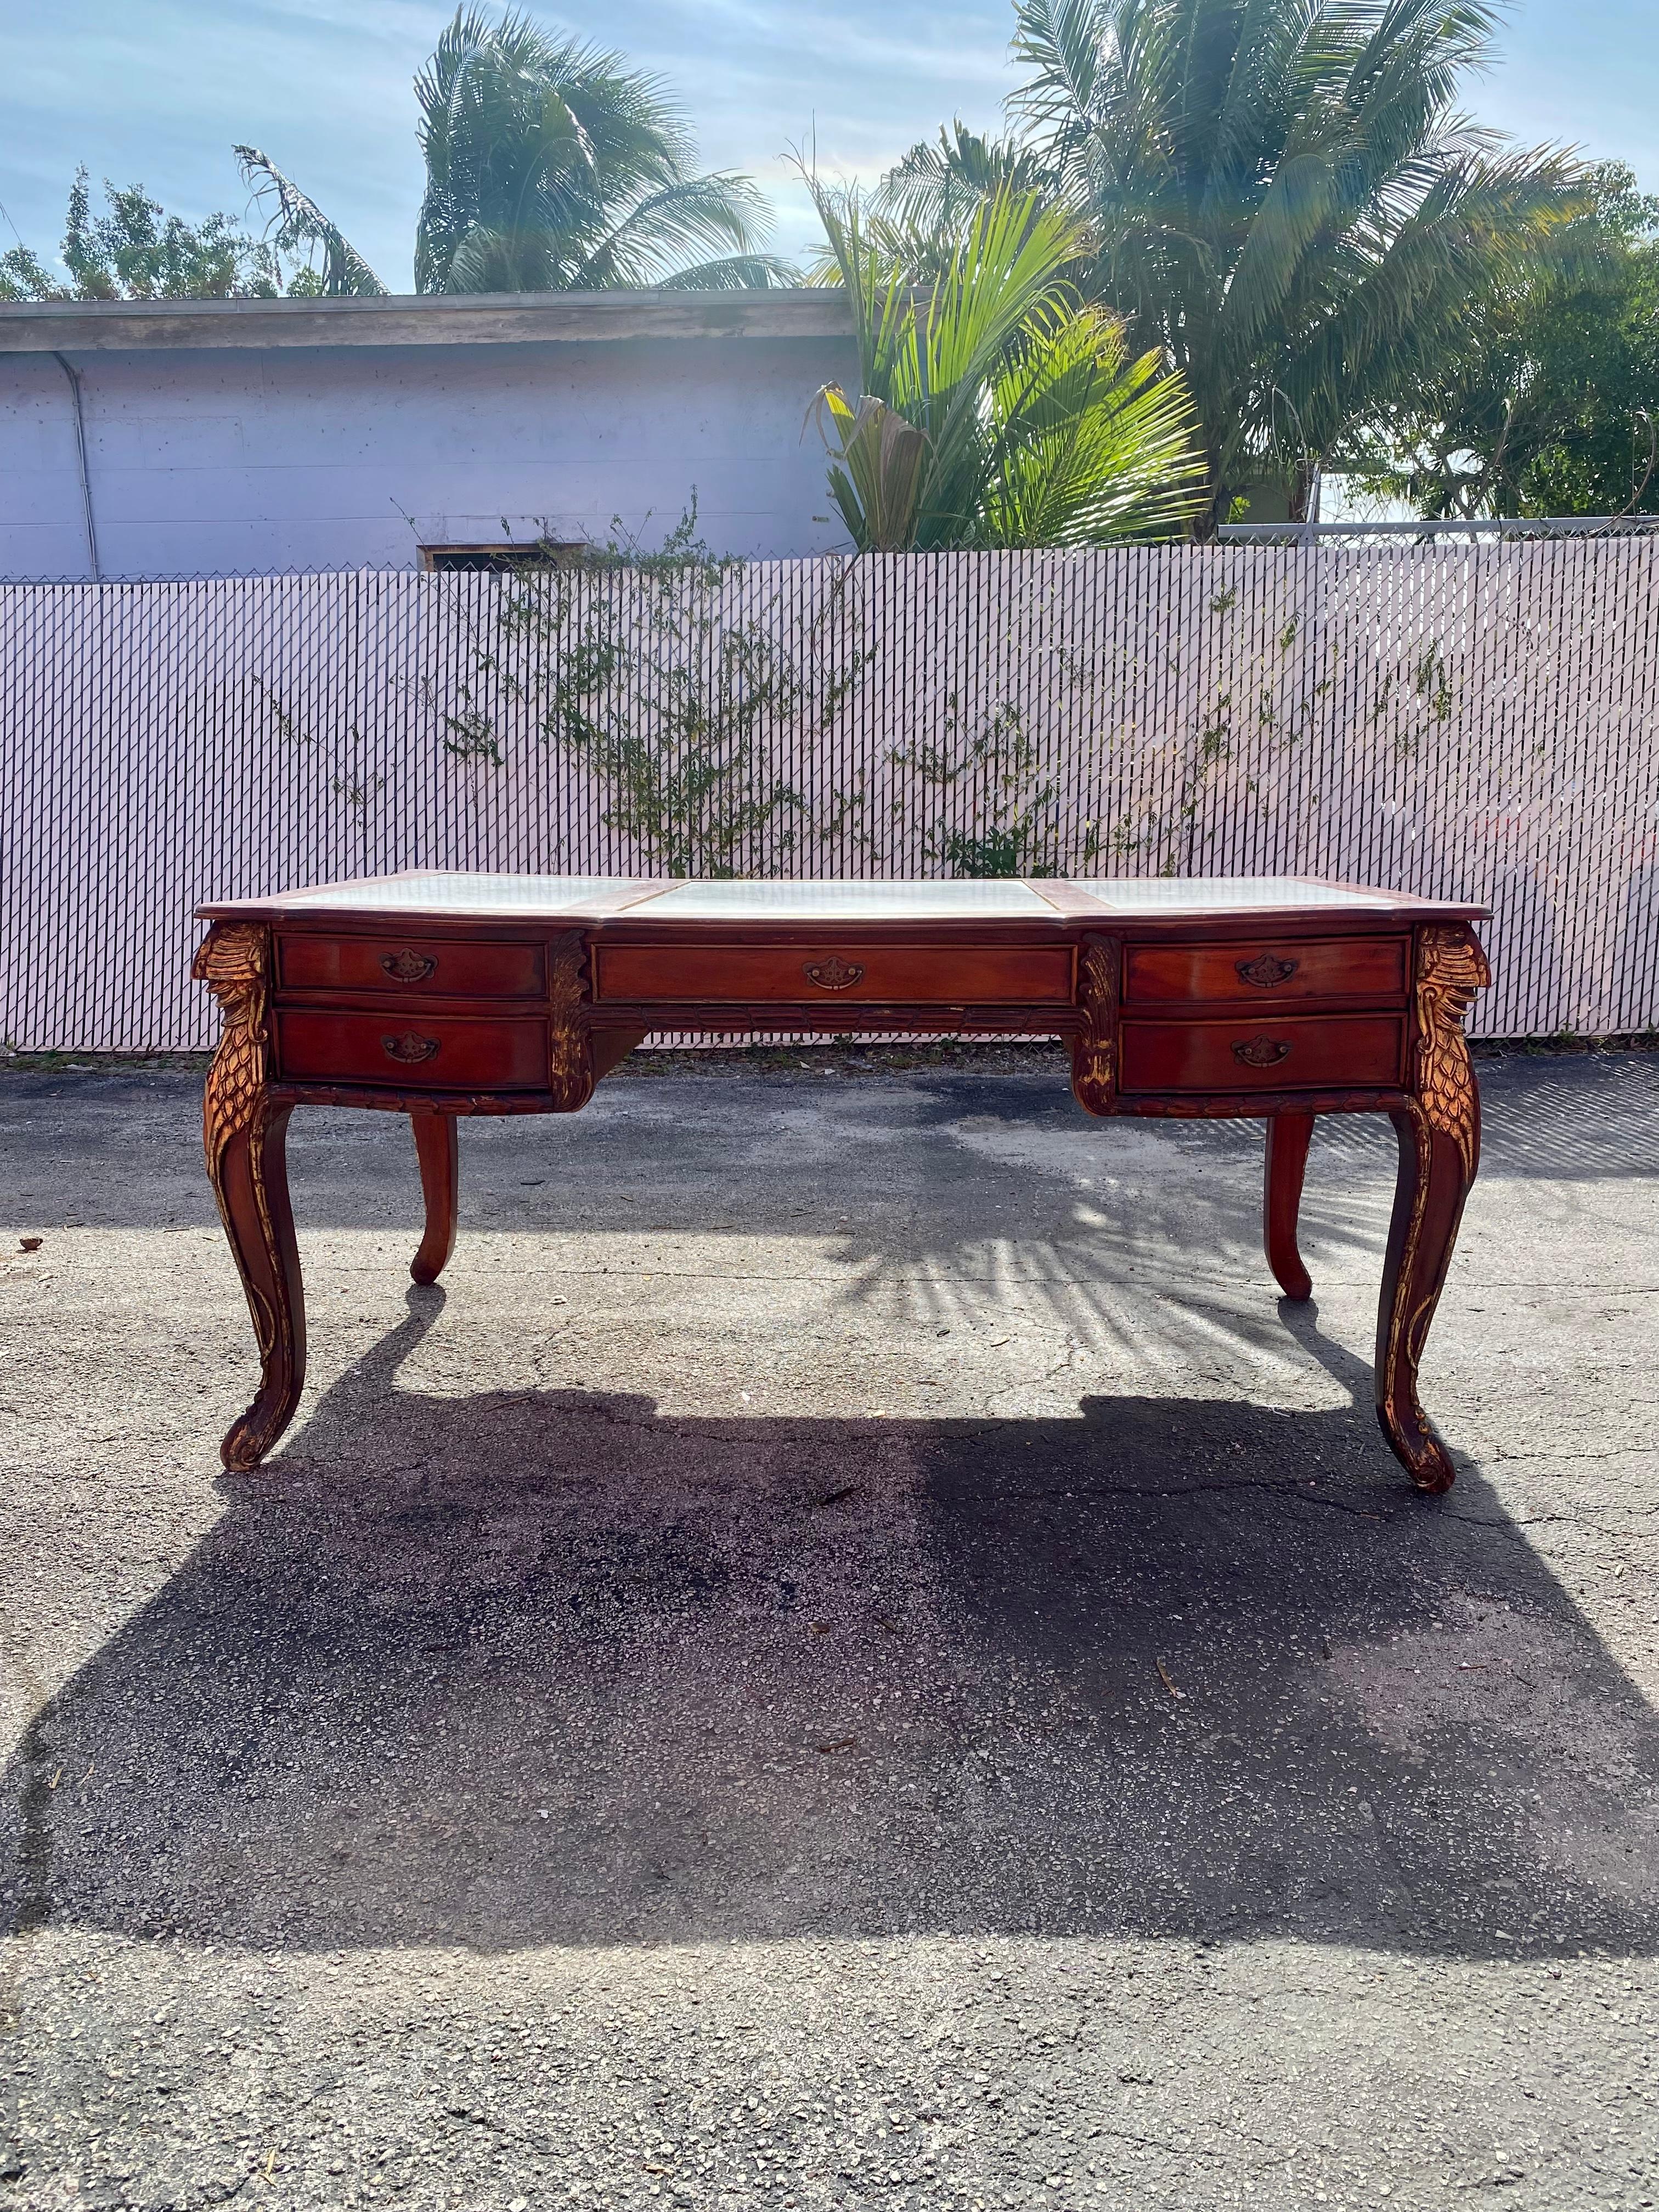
500, 560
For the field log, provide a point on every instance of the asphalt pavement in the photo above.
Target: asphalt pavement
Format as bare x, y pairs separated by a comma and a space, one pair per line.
852, 1654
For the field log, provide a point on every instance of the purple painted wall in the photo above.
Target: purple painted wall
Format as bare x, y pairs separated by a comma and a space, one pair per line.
206, 461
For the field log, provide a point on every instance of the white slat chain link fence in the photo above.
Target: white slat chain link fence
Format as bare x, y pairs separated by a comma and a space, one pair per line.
1478, 723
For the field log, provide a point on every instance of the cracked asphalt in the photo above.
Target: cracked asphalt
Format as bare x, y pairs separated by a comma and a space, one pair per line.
853, 1655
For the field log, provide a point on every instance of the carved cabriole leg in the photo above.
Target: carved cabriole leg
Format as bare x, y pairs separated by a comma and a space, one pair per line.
1094, 1049
570, 1041
1439, 1133
1288, 1137
245, 1135
439, 1153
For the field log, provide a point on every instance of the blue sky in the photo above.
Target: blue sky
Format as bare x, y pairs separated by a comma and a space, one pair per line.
158, 90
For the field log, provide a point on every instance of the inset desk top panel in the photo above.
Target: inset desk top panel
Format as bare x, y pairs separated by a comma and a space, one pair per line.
496, 898
1202, 895
1000, 901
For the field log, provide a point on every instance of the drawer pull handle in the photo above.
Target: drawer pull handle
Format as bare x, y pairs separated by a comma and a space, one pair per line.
833, 974
411, 1048
407, 967
1261, 1051
1266, 972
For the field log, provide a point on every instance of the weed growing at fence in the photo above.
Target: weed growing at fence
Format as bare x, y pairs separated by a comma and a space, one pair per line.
673, 678
348, 779
994, 775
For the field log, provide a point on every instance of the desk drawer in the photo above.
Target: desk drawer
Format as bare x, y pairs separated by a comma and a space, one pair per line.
1307, 1052
411, 967
1267, 971
838, 974
411, 1050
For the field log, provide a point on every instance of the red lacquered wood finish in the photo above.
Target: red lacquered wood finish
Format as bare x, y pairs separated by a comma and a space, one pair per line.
1267, 972
842, 971
447, 1051
438, 1150
1280, 1000
411, 967
1288, 1138
1294, 1052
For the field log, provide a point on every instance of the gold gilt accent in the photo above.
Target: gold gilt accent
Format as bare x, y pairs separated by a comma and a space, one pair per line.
234, 961
1094, 1049
570, 1045
1450, 968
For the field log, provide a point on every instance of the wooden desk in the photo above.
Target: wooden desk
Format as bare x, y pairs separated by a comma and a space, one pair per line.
437, 995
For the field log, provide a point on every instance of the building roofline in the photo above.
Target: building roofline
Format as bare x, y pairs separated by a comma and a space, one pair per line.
414, 319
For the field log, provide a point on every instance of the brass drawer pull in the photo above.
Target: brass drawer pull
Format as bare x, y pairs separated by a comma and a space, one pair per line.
834, 974
1265, 971
1261, 1051
407, 967
411, 1049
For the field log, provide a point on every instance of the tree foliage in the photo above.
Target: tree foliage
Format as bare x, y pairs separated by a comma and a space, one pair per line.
995, 409
135, 249
1281, 196
682, 682
1550, 403
552, 167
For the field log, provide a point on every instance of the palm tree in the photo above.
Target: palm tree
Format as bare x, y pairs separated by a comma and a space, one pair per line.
930, 196
995, 409
551, 167
1283, 199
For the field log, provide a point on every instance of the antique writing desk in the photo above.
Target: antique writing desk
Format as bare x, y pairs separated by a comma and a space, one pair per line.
436, 995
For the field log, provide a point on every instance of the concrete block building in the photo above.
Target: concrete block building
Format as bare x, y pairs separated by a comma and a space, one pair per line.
193, 438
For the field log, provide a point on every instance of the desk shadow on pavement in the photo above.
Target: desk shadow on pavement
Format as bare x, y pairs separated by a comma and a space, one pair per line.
548, 1669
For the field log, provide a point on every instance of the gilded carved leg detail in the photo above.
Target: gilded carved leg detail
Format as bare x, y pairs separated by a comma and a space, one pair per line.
570, 1070
245, 1134
1094, 1049
1439, 1133
1288, 1138
438, 1150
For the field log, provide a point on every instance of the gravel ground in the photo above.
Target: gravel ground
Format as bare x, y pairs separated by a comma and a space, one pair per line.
852, 1656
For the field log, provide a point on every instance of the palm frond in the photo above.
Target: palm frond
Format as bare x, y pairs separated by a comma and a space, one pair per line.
932, 190
1089, 446
875, 470
1062, 43
1480, 226
551, 164
736, 272
649, 240
992, 410
296, 220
